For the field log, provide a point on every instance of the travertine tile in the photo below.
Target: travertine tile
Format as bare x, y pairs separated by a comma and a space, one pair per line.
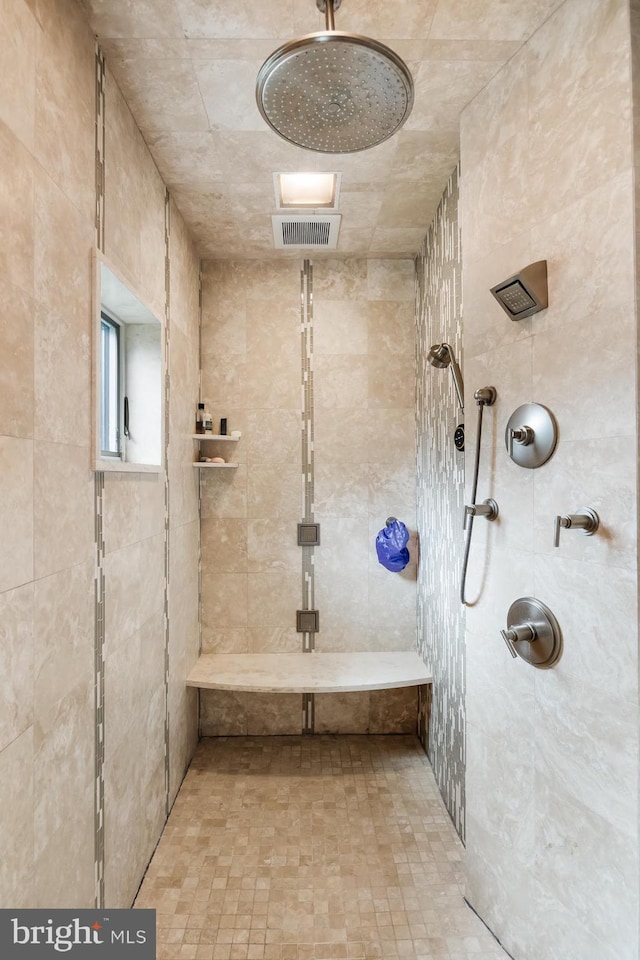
62, 366
64, 626
134, 204
16, 512
390, 279
134, 757
17, 880
224, 600
274, 490
64, 780
272, 436
341, 713
237, 109
223, 493
224, 546
19, 28
344, 279
267, 639
16, 212
16, 375
342, 435
62, 274
224, 323
393, 711
65, 102
341, 490
340, 381
464, 20
217, 20
334, 847
594, 29
163, 94
574, 839
122, 20
340, 327
17, 662
223, 713
219, 639
391, 381
273, 598
135, 578
272, 546
267, 715
133, 508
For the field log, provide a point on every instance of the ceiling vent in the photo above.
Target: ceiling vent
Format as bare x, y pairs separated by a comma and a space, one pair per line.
319, 232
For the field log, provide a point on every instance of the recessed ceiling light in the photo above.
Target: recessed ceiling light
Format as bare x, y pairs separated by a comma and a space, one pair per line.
306, 190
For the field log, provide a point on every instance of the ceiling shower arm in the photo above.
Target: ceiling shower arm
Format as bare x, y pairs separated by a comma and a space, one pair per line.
328, 7
330, 19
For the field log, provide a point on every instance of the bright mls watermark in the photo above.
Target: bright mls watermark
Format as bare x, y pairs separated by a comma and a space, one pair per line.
79, 934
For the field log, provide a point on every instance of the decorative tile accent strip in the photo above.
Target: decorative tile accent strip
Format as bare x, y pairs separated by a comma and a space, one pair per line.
308, 473
308, 712
99, 580
199, 496
167, 420
441, 618
306, 318
100, 112
99, 691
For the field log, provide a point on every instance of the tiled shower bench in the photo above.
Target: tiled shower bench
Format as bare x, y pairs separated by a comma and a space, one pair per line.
341, 693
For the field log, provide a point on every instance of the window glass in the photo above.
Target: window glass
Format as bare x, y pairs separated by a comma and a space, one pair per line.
110, 384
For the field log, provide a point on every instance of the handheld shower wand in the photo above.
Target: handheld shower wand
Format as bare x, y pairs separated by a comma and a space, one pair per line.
441, 355
484, 397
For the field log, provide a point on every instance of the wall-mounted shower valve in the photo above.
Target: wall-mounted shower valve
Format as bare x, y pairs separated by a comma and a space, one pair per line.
523, 631
531, 435
488, 508
533, 633
586, 520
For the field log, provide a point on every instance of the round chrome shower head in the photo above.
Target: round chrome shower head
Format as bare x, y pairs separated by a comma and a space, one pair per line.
334, 92
439, 355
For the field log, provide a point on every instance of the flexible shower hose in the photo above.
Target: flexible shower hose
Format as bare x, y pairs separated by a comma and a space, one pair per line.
474, 490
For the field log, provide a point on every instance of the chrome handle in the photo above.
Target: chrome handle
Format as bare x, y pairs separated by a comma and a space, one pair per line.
586, 520
508, 639
559, 524
523, 435
518, 633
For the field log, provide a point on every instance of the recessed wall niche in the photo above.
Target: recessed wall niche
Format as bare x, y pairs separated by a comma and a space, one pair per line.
128, 364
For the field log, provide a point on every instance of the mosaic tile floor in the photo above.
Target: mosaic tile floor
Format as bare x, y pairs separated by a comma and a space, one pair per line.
311, 848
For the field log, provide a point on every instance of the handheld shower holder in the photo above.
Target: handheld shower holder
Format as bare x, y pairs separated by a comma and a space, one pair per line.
488, 509
485, 396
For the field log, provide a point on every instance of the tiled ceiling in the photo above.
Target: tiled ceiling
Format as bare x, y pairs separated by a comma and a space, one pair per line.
187, 69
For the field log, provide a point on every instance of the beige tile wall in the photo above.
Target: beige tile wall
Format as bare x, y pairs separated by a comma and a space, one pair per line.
47, 554
552, 806
364, 384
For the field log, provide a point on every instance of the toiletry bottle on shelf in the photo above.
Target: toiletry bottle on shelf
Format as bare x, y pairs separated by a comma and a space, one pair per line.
208, 422
200, 418
223, 427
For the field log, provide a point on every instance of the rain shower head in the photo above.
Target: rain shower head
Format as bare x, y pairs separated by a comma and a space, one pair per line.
441, 355
334, 92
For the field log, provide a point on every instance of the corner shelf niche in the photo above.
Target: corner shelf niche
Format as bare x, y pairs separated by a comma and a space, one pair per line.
221, 438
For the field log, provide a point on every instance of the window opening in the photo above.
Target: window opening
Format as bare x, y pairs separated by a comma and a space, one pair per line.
110, 385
